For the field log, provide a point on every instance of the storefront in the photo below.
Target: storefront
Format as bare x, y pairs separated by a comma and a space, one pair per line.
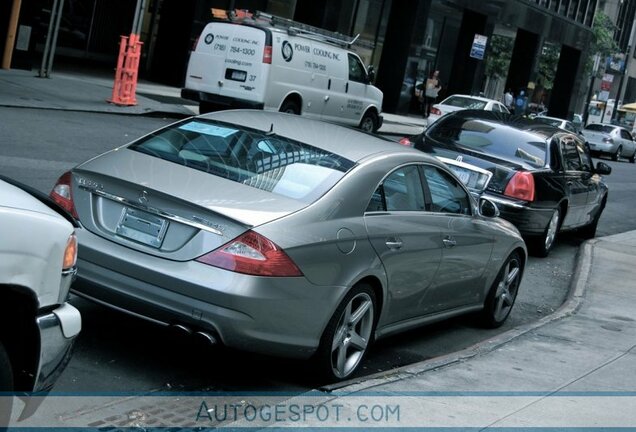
538, 46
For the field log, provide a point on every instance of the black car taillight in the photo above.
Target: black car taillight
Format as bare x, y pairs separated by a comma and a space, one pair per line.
521, 186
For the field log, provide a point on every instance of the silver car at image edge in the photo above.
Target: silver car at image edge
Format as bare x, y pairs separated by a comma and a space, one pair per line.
281, 235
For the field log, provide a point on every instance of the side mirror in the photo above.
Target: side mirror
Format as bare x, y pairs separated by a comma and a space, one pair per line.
603, 169
371, 74
488, 208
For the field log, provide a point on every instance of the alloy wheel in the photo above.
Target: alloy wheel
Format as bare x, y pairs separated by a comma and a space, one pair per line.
352, 335
507, 290
551, 233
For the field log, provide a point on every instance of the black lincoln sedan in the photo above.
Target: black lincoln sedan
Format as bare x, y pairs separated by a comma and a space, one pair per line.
541, 177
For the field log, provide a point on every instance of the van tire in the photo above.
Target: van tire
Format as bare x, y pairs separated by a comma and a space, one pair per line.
290, 107
369, 122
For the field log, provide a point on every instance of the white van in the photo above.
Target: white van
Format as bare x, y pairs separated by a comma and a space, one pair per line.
266, 62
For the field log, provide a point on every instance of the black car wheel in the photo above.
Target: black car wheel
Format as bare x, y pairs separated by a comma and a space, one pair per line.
616, 156
503, 293
542, 245
632, 158
348, 336
6, 385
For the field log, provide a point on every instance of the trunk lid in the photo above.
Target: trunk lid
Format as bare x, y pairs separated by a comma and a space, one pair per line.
167, 209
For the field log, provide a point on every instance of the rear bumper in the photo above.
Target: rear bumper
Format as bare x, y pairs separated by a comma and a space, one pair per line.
57, 331
279, 316
604, 148
224, 101
529, 221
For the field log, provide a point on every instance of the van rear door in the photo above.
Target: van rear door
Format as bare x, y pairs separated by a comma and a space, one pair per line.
231, 60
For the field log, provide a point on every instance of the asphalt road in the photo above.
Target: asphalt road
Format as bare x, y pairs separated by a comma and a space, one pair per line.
119, 353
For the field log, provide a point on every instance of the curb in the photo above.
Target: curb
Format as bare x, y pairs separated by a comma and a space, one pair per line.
149, 113
574, 299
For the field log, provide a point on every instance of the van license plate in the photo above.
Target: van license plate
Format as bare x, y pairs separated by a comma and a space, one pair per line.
142, 227
236, 75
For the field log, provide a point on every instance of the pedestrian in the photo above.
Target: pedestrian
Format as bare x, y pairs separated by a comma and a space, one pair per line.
521, 103
433, 86
508, 99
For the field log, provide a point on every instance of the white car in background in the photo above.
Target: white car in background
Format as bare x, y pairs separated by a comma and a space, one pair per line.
460, 102
38, 255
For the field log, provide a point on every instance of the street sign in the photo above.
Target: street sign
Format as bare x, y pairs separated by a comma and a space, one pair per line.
479, 47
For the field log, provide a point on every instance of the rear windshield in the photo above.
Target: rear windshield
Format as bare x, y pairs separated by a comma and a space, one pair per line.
600, 128
464, 102
493, 138
257, 159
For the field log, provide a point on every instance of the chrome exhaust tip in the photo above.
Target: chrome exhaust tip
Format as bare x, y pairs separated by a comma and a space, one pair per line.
206, 338
180, 329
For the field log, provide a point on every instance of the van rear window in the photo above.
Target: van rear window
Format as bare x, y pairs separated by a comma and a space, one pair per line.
265, 161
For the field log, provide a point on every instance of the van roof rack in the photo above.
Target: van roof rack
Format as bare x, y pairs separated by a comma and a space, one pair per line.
294, 28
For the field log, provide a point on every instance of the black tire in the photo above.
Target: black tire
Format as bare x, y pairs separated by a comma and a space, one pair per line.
542, 245
369, 122
616, 156
503, 293
290, 107
632, 158
589, 231
6, 385
327, 355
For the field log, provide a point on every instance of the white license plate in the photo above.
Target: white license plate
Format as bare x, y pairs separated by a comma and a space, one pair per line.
142, 227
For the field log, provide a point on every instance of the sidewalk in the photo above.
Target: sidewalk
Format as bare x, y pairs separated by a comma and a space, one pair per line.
89, 93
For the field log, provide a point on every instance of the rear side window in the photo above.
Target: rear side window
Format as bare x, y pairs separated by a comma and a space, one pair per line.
268, 162
400, 191
490, 137
447, 196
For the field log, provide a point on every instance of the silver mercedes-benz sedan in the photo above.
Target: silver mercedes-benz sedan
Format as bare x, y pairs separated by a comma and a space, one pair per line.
272, 233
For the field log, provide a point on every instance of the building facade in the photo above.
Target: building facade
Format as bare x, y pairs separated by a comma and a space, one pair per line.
479, 47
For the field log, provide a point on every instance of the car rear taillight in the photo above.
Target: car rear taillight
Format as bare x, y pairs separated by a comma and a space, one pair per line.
406, 142
521, 186
608, 140
267, 54
252, 254
70, 253
436, 111
63, 195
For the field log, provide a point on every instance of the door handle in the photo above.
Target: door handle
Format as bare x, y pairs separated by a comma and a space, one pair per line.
347, 88
394, 243
449, 242
329, 84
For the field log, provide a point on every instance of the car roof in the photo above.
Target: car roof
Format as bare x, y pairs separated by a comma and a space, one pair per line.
481, 98
551, 118
510, 121
347, 142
